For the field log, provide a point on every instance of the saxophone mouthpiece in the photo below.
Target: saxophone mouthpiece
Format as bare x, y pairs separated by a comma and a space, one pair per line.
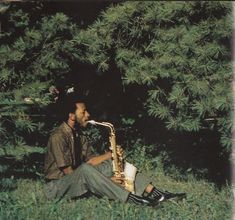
92, 122
105, 124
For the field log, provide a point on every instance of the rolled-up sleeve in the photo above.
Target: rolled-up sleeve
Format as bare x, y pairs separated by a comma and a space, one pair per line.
60, 150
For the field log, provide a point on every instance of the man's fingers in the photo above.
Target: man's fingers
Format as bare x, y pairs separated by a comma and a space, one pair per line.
118, 180
119, 150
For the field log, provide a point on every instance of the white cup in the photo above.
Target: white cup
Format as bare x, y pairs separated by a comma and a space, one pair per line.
129, 173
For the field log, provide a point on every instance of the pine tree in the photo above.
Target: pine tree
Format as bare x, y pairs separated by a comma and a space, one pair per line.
35, 53
179, 51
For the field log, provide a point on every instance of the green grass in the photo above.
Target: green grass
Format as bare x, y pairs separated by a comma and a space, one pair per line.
204, 201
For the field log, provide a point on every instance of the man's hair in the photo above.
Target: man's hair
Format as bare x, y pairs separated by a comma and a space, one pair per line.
67, 105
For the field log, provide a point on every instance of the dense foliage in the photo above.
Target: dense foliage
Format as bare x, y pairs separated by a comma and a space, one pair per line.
179, 51
33, 56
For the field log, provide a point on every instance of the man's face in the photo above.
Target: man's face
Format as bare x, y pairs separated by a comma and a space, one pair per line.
81, 114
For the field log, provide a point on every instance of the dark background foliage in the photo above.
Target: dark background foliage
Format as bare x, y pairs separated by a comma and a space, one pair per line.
159, 71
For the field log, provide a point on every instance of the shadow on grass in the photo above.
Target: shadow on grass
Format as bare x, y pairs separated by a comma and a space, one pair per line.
198, 153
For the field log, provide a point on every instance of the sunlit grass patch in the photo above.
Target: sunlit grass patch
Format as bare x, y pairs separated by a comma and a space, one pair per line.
204, 201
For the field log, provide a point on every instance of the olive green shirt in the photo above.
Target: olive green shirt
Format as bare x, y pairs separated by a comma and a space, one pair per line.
61, 151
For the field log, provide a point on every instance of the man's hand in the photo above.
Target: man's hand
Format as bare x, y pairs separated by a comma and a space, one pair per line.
120, 151
118, 180
67, 170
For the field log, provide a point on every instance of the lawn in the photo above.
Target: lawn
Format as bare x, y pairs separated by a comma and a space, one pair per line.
204, 201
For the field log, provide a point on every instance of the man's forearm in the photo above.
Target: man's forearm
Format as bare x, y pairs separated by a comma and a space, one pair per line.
99, 159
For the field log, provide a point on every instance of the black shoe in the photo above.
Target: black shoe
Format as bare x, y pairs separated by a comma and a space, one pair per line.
139, 200
173, 196
160, 196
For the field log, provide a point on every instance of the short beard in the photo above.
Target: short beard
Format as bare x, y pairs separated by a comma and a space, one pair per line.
77, 125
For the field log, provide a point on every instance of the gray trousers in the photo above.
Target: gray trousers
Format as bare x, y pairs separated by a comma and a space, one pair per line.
94, 179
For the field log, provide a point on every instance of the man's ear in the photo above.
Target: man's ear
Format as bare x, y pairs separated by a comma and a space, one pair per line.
72, 116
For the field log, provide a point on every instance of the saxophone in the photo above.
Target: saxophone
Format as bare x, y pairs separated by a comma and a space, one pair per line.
117, 156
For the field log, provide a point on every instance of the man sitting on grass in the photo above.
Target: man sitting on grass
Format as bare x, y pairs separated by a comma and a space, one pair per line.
72, 171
